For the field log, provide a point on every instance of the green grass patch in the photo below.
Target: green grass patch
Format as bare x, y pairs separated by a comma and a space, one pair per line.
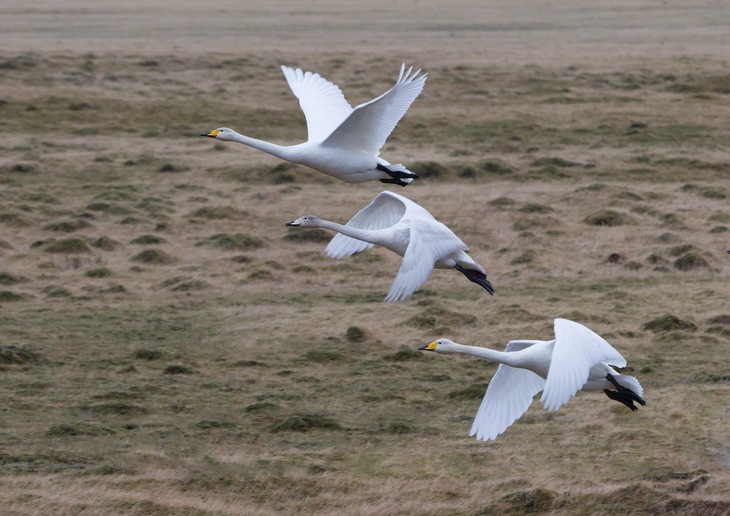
68, 246
148, 240
306, 423
98, 272
667, 323
154, 257
8, 296
234, 242
607, 217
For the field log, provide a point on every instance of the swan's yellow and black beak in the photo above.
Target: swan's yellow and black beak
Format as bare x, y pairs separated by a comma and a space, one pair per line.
212, 134
429, 347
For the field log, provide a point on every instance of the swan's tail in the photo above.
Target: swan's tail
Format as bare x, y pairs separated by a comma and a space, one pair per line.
399, 175
628, 390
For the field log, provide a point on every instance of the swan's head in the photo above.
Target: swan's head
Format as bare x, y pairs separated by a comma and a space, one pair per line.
307, 221
441, 346
222, 133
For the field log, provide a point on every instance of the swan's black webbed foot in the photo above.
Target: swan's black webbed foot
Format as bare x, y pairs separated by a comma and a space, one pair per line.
624, 394
393, 181
477, 277
396, 174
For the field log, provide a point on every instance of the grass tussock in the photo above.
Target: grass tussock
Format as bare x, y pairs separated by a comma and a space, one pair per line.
404, 355
502, 202
154, 257
106, 244
115, 408
191, 286
175, 369
8, 279
56, 291
323, 356
668, 323
148, 240
218, 213
79, 429
67, 226
98, 272
356, 334
234, 242
315, 235
473, 392
440, 319
149, 354
690, 261
67, 246
13, 354
263, 406
429, 170
608, 218
8, 296
306, 423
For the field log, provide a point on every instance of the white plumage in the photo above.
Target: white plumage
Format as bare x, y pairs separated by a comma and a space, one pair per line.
399, 224
342, 142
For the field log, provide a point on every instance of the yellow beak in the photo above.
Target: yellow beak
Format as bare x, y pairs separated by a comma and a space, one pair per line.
429, 347
212, 134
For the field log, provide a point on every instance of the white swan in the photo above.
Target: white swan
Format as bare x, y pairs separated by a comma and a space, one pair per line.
343, 142
407, 229
576, 359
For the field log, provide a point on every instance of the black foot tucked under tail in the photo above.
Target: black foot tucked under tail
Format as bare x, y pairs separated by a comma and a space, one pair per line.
396, 176
395, 182
477, 277
624, 394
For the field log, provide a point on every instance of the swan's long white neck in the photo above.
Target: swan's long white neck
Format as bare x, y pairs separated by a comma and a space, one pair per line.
373, 237
271, 148
488, 354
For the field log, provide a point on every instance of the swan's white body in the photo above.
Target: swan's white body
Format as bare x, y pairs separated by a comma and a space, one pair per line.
577, 359
342, 142
407, 229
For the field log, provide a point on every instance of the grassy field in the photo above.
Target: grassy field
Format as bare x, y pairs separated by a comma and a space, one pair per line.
168, 346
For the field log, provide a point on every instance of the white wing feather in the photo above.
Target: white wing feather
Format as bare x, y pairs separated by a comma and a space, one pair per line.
370, 124
430, 240
577, 349
508, 396
386, 210
323, 103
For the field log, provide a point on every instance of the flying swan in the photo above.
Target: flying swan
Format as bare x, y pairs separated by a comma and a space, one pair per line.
407, 229
343, 142
576, 359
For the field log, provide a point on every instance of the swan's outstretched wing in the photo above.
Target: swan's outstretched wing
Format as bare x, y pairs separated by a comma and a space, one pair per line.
323, 103
386, 210
370, 124
508, 396
430, 240
577, 349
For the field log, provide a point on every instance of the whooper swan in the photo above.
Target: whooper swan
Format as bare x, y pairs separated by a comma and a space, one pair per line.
407, 229
343, 142
576, 359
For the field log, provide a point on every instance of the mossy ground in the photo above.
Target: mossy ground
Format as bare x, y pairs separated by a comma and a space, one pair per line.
170, 347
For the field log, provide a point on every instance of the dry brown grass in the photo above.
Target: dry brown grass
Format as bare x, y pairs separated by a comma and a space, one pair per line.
170, 347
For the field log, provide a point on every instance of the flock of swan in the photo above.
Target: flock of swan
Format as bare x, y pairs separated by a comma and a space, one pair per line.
345, 142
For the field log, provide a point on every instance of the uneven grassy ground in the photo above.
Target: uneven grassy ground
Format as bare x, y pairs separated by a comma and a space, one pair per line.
168, 346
